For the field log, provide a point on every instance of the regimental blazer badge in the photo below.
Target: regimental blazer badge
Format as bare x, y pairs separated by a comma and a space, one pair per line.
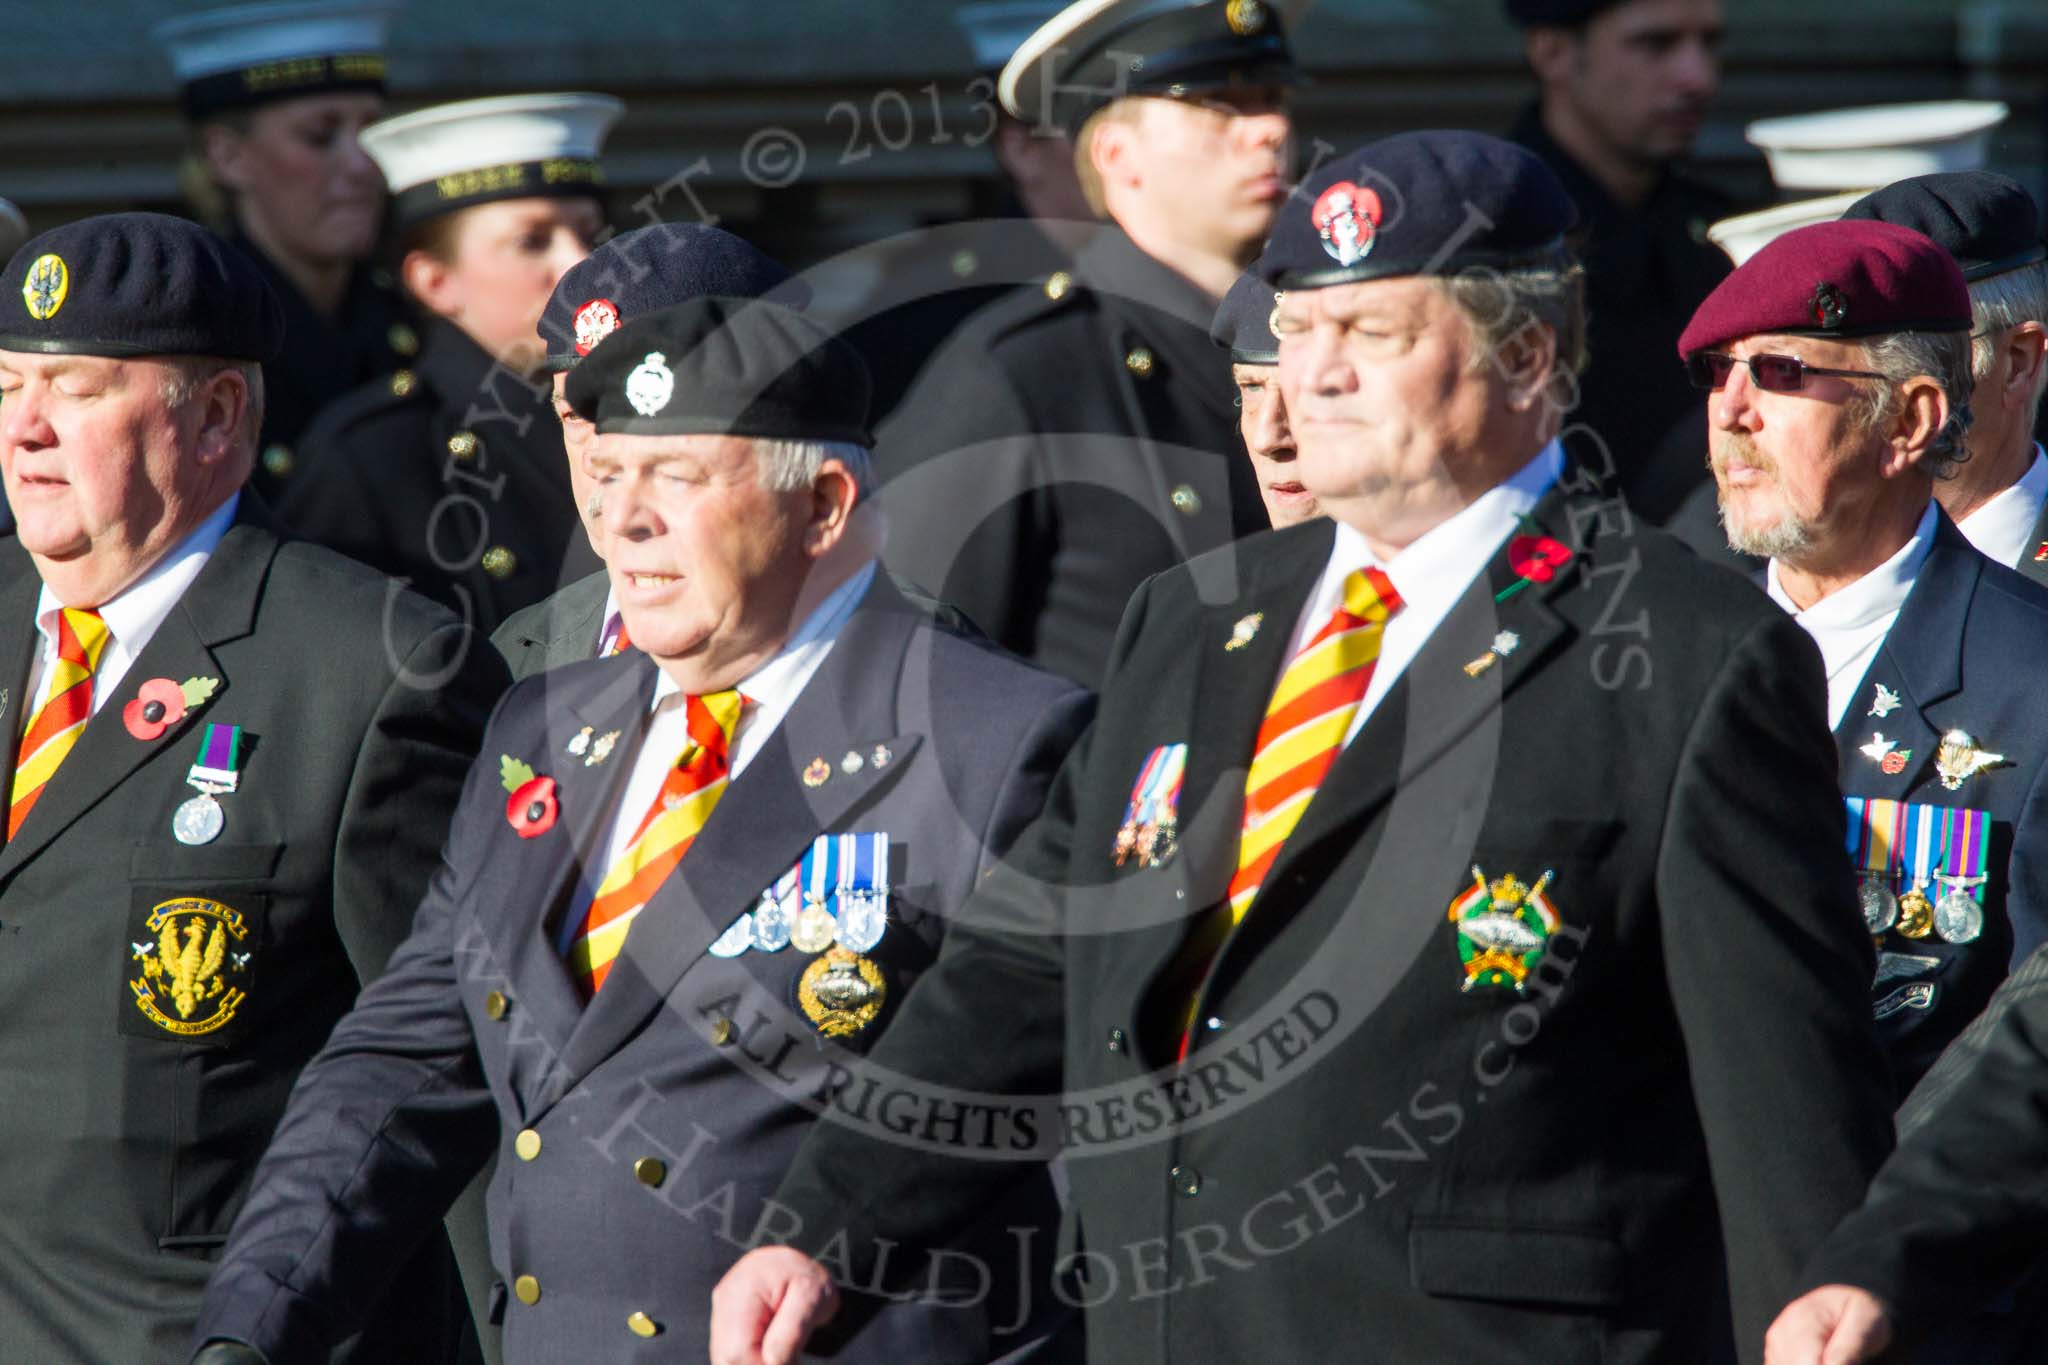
1504, 928
188, 974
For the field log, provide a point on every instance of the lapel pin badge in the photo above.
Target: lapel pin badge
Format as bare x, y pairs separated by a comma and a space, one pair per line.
1886, 753
1958, 757
1241, 634
601, 748
816, 772
1504, 644
580, 745
1884, 702
881, 757
532, 806
852, 763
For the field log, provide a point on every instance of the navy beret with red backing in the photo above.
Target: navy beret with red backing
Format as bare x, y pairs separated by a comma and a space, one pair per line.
1841, 279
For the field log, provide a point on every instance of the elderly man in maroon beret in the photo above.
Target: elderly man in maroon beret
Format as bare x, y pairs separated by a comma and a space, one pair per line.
1839, 364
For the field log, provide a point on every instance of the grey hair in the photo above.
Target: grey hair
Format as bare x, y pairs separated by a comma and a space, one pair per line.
1500, 304
787, 465
2002, 302
184, 375
1899, 356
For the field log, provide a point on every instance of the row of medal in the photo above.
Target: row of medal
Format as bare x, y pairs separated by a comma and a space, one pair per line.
838, 894
1917, 848
218, 772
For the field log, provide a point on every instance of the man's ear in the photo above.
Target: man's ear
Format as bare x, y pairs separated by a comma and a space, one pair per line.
1112, 149
834, 495
2024, 347
225, 152
1923, 411
1527, 360
222, 403
1551, 52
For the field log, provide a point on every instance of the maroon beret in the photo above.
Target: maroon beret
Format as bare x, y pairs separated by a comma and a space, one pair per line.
1841, 279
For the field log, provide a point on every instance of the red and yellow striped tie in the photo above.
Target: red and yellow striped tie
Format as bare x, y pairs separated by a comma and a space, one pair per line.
664, 835
1306, 722
67, 705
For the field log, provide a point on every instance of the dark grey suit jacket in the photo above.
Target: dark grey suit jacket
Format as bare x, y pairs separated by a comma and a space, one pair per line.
663, 1113
136, 1113
557, 630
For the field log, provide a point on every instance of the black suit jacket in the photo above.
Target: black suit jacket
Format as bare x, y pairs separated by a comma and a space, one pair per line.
1071, 441
557, 630
1966, 653
704, 1066
129, 1143
1364, 1159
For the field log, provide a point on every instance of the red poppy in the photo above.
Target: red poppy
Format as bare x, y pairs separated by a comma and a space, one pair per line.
1537, 558
1895, 761
532, 808
159, 704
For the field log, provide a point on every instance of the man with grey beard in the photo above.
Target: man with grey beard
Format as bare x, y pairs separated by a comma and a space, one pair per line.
1838, 364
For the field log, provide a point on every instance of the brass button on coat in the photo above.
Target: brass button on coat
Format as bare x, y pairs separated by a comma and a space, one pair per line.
721, 1031
1186, 500
495, 1004
527, 1144
278, 460
650, 1170
526, 1289
462, 445
1187, 1181
1140, 362
499, 562
640, 1325
1057, 284
401, 383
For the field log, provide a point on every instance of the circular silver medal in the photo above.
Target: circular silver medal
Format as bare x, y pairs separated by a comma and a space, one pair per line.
1880, 905
198, 821
1958, 918
813, 930
737, 938
771, 927
862, 921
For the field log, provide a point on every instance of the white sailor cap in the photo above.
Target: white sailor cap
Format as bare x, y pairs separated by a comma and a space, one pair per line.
251, 54
1748, 233
1094, 52
508, 147
1847, 149
995, 29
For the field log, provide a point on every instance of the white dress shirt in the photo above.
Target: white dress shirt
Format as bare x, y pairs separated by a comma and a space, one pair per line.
1431, 574
2003, 528
770, 691
1850, 623
133, 615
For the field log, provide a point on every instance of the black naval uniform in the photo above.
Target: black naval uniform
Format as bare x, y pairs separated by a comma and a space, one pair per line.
450, 474
323, 358
1647, 269
1074, 440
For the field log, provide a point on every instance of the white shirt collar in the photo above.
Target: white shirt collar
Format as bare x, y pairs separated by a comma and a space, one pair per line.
134, 614
2003, 528
1877, 596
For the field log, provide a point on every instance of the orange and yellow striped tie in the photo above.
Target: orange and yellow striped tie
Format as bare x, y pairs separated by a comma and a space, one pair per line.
664, 835
1306, 722
67, 705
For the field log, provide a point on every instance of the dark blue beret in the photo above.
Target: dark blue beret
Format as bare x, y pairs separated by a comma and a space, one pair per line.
1094, 52
134, 284
1555, 13
1987, 221
650, 268
1244, 322
715, 366
1427, 203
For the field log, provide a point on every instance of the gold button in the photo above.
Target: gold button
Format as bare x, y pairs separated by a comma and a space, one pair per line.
527, 1144
721, 1031
1186, 500
640, 1325
1139, 362
495, 1004
403, 339
650, 1170
1057, 285
401, 383
526, 1289
499, 562
965, 263
462, 445
278, 460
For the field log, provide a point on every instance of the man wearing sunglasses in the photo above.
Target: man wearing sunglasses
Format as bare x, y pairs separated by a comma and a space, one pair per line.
1989, 223
1838, 368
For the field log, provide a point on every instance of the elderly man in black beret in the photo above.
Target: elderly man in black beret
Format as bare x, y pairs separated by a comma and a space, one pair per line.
686, 888
233, 761
1998, 497
633, 274
1624, 86
1838, 361
1396, 942
1244, 326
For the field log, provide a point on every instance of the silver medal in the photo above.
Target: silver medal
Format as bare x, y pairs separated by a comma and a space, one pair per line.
1958, 918
771, 927
863, 918
199, 820
737, 938
1880, 905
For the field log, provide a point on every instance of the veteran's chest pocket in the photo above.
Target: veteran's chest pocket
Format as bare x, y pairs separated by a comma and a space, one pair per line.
196, 939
